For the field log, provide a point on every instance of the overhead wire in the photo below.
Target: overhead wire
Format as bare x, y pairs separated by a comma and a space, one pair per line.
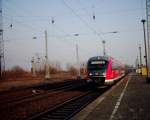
68, 35
92, 14
83, 21
28, 26
17, 21
65, 36
84, 9
16, 8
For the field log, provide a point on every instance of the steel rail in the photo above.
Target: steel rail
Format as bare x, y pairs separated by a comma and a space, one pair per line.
67, 109
38, 96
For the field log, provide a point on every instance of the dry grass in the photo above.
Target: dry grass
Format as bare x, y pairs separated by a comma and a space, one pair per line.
18, 77
27, 80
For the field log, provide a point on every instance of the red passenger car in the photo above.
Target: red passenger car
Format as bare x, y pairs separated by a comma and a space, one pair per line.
104, 70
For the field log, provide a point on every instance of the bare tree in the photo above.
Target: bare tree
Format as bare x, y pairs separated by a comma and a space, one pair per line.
72, 69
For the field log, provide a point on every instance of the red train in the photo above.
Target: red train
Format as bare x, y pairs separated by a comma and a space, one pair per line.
104, 70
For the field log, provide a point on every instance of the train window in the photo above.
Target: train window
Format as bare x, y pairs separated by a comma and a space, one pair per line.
114, 66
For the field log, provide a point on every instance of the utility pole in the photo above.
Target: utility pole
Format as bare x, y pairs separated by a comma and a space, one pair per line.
148, 35
137, 63
104, 51
47, 73
148, 24
77, 57
2, 60
140, 56
140, 65
33, 69
143, 21
78, 63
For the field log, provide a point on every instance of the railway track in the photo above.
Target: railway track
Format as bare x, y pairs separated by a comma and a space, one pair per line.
38, 91
41, 95
67, 109
63, 103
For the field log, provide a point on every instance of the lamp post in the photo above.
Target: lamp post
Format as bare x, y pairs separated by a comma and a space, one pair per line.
104, 42
143, 21
77, 58
110, 32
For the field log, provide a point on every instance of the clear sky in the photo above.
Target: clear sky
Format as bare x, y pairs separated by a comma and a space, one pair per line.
30, 18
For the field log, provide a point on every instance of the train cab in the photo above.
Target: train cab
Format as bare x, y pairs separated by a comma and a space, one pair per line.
104, 70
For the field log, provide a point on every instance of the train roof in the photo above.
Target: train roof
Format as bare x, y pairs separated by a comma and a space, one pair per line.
100, 58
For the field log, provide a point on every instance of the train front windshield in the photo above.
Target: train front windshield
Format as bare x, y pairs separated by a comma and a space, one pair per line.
97, 65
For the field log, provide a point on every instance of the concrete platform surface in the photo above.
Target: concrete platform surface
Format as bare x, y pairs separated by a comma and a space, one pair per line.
129, 99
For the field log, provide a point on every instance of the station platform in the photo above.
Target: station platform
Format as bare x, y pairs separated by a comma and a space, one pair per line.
129, 99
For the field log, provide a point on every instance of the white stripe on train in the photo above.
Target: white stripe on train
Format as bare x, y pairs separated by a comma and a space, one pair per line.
111, 81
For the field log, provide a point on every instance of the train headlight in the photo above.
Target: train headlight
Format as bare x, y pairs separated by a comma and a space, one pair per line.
104, 74
90, 74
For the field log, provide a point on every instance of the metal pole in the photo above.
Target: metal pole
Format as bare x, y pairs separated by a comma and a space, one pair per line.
77, 57
140, 55
0, 69
140, 66
143, 21
137, 63
33, 70
1, 33
47, 73
2, 60
78, 63
148, 32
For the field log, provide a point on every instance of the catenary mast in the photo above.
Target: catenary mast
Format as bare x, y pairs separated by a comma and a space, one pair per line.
148, 31
2, 62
